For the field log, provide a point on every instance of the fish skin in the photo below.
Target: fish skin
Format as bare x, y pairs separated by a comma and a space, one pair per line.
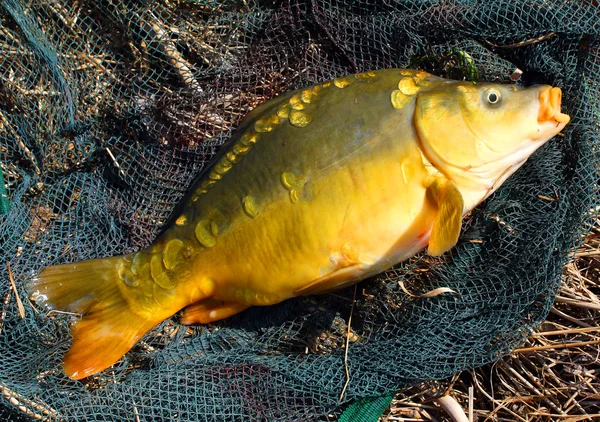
320, 188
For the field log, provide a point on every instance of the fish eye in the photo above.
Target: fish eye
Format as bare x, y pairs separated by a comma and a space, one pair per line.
492, 96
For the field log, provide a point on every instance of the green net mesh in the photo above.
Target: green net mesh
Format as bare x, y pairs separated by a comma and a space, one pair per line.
109, 109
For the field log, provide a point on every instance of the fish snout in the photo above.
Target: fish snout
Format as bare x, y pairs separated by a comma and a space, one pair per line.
550, 99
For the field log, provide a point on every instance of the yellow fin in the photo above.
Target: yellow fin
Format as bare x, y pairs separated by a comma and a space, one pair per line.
108, 327
335, 280
446, 227
209, 310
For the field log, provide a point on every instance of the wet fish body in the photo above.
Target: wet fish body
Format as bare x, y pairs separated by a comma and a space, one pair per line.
320, 188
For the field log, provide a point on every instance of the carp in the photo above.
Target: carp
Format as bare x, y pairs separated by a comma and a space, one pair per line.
318, 189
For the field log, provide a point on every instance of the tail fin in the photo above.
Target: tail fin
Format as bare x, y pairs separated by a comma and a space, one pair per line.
108, 327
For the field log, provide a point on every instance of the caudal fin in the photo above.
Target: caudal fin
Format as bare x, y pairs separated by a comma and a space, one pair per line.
108, 327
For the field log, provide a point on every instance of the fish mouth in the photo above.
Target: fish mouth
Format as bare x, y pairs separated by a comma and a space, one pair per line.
549, 111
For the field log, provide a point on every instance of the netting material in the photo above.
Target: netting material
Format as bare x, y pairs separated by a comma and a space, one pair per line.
108, 111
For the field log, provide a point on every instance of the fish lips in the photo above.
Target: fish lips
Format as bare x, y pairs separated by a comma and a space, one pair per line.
550, 103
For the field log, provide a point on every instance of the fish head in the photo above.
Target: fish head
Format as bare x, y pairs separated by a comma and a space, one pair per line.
478, 135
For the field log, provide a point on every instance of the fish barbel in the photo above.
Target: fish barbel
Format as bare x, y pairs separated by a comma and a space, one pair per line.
317, 190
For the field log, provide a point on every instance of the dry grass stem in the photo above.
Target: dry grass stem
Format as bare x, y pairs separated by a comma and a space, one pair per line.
168, 48
556, 346
35, 409
136, 413
579, 303
566, 331
116, 163
4, 306
523, 43
5, 124
14, 287
347, 344
471, 404
574, 320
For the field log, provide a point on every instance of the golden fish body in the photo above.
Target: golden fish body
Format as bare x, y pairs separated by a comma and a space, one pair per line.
319, 189
341, 197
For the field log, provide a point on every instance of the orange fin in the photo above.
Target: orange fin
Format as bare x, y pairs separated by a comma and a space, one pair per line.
210, 310
108, 327
335, 280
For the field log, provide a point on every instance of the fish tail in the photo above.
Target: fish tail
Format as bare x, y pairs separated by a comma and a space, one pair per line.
108, 327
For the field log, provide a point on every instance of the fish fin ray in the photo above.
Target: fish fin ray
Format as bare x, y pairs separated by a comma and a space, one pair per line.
335, 280
108, 328
210, 310
448, 220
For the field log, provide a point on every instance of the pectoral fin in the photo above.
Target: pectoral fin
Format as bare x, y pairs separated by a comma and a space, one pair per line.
210, 310
446, 226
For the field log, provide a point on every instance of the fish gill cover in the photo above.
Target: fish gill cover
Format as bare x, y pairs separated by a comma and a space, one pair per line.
109, 109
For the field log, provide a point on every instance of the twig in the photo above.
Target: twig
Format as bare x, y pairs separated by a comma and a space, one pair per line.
569, 318
26, 151
533, 388
136, 414
577, 274
347, 344
420, 406
546, 368
501, 223
523, 43
75, 35
570, 418
568, 402
564, 332
499, 405
470, 403
168, 48
14, 286
556, 346
578, 303
3, 314
587, 253
586, 295
114, 160
4, 202
549, 398
40, 410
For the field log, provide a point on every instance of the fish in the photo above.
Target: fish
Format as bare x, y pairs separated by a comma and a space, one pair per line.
318, 189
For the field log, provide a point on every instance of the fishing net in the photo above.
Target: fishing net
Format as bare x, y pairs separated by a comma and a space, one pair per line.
108, 110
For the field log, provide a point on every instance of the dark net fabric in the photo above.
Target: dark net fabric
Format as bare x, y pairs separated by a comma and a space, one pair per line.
109, 109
